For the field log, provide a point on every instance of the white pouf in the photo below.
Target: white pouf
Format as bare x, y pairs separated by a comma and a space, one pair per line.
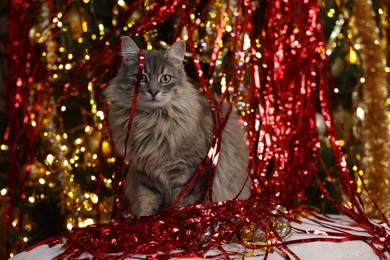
310, 228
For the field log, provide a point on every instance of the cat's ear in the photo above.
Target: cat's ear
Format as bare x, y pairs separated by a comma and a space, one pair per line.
130, 51
176, 52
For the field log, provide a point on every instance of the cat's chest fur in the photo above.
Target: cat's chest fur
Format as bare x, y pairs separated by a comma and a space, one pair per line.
163, 138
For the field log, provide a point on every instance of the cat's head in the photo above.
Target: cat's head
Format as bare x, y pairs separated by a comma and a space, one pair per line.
162, 78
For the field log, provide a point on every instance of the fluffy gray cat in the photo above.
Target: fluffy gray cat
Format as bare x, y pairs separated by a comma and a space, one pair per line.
172, 131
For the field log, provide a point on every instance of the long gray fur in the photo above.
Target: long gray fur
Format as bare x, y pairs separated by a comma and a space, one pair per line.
171, 133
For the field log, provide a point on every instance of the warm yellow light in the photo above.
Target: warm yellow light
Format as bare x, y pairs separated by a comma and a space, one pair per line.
212, 14
86, 222
50, 158
331, 12
87, 129
100, 114
223, 84
106, 148
353, 54
15, 222
70, 195
69, 226
3, 191
84, 25
94, 198
28, 227
42, 181
357, 46
360, 112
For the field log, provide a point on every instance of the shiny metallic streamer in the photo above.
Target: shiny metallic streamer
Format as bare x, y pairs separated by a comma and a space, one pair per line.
376, 138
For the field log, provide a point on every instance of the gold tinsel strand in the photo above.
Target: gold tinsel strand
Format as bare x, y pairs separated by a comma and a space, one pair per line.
376, 139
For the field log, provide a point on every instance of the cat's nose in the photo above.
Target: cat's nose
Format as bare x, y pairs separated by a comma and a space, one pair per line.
153, 92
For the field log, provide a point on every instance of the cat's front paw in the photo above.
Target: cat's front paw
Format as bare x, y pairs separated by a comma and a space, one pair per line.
146, 211
142, 208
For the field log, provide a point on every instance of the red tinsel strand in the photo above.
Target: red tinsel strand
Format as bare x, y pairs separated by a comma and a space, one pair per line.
215, 110
18, 80
193, 229
117, 212
200, 171
287, 140
214, 149
217, 40
134, 102
186, 11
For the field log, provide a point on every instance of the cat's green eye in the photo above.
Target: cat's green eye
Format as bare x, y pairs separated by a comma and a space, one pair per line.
143, 78
165, 78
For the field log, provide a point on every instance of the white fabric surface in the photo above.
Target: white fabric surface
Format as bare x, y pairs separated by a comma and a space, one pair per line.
348, 250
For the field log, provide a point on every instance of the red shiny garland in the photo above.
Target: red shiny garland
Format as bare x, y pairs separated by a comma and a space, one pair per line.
284, 89
189, 231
